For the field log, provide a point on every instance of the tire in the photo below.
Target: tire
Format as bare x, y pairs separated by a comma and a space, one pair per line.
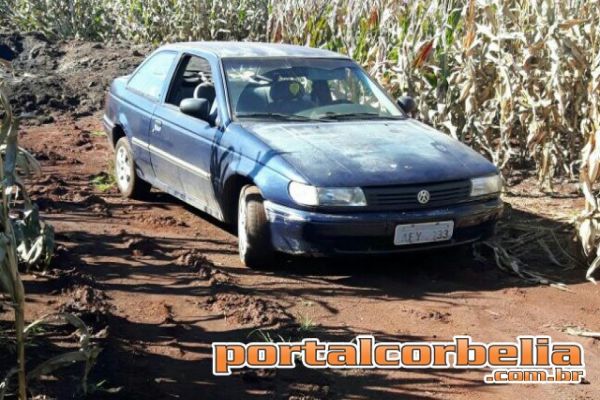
254, 234
129, 184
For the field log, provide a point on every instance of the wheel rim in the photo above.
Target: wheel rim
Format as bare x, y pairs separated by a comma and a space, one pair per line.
242, 234
122, 169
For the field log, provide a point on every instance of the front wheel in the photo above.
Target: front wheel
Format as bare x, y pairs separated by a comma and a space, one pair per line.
129, 184
254, 234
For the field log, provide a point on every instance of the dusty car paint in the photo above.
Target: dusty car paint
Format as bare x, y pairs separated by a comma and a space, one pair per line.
197, 162
371, 153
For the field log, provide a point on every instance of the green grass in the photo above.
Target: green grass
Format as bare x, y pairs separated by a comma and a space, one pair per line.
267, 336
103, 182
306, 324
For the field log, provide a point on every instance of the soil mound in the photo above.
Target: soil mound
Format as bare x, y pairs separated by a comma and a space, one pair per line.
66, 76
247, 310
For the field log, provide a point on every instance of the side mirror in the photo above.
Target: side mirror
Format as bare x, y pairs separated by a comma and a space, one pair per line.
199, 108
407, 103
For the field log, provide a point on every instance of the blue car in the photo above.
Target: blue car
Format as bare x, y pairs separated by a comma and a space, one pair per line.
299, 148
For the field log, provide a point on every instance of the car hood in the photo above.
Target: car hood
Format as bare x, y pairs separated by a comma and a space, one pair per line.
371, 153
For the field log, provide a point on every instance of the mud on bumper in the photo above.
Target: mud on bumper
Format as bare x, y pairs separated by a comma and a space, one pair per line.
319, 234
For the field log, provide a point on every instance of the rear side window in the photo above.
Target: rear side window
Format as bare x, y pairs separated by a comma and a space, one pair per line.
149, 79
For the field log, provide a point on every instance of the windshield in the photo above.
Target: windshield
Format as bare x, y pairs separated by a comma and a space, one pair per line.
301, 89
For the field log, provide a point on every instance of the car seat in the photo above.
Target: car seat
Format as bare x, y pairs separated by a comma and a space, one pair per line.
288, 97
253, 99
206, 90
321, 94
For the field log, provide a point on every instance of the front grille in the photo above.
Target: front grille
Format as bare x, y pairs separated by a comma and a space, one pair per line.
405, 197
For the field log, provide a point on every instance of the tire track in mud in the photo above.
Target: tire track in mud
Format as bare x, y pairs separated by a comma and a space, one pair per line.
120, 231
174, 284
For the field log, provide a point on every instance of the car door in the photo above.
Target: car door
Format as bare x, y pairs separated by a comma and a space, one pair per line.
182, 147
145, 87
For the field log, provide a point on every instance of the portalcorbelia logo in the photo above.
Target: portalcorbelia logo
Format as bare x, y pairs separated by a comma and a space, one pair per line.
530, 359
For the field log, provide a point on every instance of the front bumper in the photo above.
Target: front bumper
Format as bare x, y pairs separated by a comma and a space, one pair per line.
318, 234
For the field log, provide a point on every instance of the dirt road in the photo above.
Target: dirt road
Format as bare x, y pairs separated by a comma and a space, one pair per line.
167, 281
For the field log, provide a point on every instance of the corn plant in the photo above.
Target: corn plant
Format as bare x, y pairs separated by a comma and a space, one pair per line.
26, 240
589, 220
9, 273
152, 21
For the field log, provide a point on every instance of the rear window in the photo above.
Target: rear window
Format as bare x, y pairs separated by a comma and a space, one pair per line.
150, 78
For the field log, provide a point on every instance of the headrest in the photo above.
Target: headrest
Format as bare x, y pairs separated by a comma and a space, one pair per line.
205, 90
286, 90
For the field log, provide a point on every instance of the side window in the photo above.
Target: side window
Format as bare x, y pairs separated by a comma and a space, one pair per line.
149, 79
193, 77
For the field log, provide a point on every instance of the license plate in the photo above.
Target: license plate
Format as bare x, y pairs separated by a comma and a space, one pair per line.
423, 233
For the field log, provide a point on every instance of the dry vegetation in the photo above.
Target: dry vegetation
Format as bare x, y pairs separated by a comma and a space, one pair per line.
27, 242
518, 80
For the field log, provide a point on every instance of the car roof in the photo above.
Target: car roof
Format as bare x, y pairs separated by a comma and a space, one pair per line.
254, 49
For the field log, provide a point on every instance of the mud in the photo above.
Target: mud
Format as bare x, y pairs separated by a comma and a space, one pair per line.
161, 221
59, 77
202, 266
173, 288
86, 302
247, 309
142, 246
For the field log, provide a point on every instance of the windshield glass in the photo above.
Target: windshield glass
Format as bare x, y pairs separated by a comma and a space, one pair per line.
301, 89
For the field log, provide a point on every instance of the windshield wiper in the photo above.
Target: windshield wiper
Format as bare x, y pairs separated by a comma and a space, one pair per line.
359, 115
277, 116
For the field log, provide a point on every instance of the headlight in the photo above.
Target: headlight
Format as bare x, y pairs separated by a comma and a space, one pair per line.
304, 194
313, 196
341, 197
486, 185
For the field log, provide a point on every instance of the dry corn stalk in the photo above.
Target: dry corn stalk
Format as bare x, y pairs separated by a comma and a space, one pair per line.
10, 279
510, 249
588, 222
24, 238
577, 331
140, 20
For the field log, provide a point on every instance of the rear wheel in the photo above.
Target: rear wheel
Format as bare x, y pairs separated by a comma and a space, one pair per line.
129, 184
254, 235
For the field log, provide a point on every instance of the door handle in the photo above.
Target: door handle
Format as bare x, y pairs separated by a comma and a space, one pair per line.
157, 126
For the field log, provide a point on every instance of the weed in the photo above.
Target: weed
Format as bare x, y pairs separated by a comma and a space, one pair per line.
103, 182
306, 324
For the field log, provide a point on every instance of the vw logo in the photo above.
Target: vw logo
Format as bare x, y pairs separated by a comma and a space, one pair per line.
423, 197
